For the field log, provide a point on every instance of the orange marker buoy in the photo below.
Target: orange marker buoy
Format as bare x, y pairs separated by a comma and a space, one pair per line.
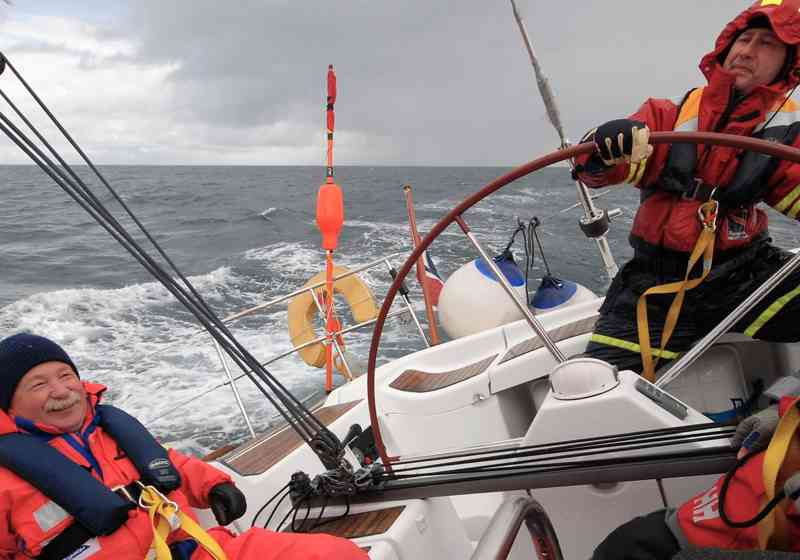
330, 218
330, 214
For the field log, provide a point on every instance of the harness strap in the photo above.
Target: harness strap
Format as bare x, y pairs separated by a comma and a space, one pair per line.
166, 517
773, 530
705, 248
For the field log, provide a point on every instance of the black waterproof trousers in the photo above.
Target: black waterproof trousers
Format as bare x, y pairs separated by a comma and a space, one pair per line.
732, 279
643, 538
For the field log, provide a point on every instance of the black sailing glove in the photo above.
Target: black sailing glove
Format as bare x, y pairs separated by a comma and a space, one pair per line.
227, 503
623, 140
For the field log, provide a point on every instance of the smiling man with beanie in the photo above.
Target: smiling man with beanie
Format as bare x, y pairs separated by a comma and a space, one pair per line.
71, 470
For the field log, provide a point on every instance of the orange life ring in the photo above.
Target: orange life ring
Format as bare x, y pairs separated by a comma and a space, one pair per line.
302, 311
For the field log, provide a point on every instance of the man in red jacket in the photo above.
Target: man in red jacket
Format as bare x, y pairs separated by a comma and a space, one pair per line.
751, 73
73, 468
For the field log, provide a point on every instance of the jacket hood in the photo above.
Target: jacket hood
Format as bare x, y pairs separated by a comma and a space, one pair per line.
784, 18
94, 392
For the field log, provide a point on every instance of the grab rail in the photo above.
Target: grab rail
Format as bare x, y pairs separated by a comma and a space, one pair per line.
499, 537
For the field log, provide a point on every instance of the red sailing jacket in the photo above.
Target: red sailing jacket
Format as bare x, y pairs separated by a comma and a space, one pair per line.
667, 220
699, 518
28, 518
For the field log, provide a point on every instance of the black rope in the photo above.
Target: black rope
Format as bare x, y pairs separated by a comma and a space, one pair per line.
332, 519
321, 513
723, 494
533, 461
293, 411
292, 510
533, 225
275, 509
580, 443
529, 236
89, 202
268, 502
436, 479
305, 519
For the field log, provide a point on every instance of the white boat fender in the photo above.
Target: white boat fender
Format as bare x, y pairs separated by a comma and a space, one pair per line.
472, 300
555, 293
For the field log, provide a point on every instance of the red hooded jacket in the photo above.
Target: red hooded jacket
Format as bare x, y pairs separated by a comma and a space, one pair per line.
28, 519
664, 218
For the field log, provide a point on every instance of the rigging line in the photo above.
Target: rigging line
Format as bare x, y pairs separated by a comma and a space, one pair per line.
268, 502
532, 225
199, 301
321, 513
96, 171
305, 519
547, 455
291, 513
337, 518
89, 198
89, 205
531, 455
540, 462
583, 452
269, 519
435, 480
587, 440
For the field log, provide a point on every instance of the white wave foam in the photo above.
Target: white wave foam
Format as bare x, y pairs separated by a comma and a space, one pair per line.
137, 340
267, 212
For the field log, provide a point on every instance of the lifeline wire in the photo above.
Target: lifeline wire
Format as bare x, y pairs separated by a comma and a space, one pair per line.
563, 456
499, 472
580, 443
300, 418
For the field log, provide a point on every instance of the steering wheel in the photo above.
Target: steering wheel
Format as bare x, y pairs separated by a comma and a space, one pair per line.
455, 215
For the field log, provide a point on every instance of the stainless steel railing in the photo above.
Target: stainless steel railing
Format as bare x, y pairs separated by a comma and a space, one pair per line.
407, 309
499, 537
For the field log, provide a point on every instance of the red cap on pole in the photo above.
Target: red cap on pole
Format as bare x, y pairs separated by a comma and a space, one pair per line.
331, 85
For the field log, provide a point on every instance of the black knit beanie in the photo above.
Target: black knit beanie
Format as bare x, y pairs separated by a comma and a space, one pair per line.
19, 354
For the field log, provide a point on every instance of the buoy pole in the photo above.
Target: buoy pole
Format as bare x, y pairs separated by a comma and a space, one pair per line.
330, 217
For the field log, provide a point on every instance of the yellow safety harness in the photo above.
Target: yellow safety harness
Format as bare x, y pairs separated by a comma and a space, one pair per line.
772, 530
707, 213
166, 517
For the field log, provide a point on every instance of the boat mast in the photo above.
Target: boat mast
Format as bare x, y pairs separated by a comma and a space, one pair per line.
595, 221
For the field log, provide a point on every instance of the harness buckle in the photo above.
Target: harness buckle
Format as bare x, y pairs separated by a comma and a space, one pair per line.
700, 191
708, 213
164, 501
129, 492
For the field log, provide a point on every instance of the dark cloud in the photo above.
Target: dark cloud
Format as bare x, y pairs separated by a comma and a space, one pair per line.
421, 81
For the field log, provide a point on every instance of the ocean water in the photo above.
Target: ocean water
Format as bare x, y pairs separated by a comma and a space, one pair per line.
245, 235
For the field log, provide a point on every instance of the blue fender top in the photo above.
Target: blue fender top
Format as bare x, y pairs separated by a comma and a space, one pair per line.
508, 267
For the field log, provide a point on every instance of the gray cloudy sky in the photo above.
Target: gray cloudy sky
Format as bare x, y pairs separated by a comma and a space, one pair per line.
421, 82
